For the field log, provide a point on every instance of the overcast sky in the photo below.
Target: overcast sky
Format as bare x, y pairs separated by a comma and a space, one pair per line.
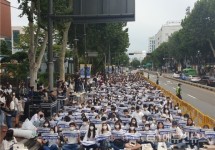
150, 16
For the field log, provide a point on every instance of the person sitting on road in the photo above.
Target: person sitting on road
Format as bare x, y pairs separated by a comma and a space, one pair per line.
8, 141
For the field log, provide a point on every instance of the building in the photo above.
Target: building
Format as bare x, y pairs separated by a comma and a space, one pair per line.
5, 21
166, 31
16, 32
151, 45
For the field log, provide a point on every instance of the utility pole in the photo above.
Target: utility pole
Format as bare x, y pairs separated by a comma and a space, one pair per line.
50, 50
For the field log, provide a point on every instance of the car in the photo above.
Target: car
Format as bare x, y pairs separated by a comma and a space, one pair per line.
194, 78
176, 75
207, 80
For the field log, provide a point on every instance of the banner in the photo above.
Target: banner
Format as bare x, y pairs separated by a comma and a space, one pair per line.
82, 70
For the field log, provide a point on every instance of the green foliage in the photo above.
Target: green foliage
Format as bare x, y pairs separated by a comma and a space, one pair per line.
4, 48
100, 38
197, 34
135, 63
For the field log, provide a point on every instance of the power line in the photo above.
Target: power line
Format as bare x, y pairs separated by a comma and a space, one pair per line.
10, 6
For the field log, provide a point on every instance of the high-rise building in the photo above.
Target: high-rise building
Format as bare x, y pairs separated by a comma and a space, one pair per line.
151, 44
166, 31
5, 20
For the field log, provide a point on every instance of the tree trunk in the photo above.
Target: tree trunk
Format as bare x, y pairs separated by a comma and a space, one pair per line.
211, 46
63, 51
31, 52
64, 44
34, 62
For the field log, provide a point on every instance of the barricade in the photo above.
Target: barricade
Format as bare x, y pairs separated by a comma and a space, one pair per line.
199, 118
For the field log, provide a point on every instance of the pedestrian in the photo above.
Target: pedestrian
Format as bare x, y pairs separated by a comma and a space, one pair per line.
9, 109
157, 81
178, 91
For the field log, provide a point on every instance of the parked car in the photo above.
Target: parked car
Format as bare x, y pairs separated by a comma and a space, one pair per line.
176, 75
183, 77
194, 78
207, 80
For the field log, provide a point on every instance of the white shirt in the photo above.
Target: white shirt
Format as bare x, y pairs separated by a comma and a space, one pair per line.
84, 127
35, 118
16, 103
12, 107
2, 99
73, 140
6, 145
138, 116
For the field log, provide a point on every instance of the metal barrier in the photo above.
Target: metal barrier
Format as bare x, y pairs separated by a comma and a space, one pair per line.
198, 117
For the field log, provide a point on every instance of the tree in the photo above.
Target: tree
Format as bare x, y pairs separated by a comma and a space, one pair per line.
36, 50
101, 38
199, 25
135, 63
4, 48
64, 30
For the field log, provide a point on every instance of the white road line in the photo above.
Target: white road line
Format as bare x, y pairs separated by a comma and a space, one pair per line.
191, 96
174, 88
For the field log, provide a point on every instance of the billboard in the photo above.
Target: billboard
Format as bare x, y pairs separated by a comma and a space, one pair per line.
82, 70
102, 11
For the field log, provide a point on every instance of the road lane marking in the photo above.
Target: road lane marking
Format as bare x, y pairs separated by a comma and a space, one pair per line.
191, 96
174, 88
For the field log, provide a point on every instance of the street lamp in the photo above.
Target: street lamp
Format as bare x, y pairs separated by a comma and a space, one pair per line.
198, 58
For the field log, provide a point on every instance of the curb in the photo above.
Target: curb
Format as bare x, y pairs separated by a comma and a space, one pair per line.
191, 83
186, 82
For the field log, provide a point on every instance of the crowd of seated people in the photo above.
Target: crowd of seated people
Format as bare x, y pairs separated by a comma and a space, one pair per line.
125, 113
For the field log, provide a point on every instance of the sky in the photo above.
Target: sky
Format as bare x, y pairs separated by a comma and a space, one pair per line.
150, 16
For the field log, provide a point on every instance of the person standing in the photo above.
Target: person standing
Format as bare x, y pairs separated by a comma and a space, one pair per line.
10, 108
178, 91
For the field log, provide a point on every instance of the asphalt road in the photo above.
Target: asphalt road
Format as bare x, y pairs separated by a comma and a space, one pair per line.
202, 99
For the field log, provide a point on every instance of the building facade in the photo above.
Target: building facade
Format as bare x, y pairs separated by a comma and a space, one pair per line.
166, 31
151, 44
5, 20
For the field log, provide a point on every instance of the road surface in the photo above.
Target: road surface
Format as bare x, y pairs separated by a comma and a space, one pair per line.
202, 99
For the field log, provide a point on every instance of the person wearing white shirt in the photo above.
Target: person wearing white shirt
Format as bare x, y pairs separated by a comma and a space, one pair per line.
145, 110
117, 142
9, 106
72, 142
166, 114
138, 114
132, 144
85, 124
2, 114
89, 137
99, 126
37, 118
16, 104
8, 141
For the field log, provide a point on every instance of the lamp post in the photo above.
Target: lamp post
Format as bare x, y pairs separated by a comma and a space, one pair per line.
198, 59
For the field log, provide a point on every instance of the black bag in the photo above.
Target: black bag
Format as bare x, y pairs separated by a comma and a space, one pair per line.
119, 143
11, 112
